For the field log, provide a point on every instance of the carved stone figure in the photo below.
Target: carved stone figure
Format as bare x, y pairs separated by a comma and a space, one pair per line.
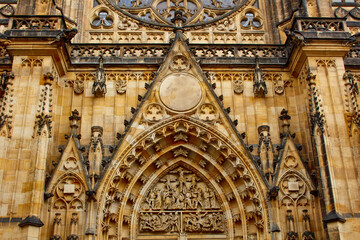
181, 196
238, 86
99, 85
79, 86
120, 86
126, 24
259, 87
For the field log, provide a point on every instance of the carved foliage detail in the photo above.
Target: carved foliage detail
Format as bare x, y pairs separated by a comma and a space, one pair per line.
181, 196
45, 107
7, 101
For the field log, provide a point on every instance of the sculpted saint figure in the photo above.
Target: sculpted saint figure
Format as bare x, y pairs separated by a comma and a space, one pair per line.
151, 199
158, 201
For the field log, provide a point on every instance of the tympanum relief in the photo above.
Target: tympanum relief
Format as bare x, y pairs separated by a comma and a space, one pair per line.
181, 202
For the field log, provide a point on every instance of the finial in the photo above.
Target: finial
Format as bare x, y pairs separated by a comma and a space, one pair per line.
284, 117
178, 19
74, 118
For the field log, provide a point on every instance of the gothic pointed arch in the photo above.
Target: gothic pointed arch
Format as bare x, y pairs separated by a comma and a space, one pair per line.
186, 143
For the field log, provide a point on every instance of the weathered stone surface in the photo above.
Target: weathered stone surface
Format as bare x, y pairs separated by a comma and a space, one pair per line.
176, 134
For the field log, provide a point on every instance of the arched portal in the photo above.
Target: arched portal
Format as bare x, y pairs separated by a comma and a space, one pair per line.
182, 180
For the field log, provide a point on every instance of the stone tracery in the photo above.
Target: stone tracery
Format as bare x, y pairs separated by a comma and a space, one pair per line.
194, 12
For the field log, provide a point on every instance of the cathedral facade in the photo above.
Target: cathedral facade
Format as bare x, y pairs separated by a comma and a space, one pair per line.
179, 119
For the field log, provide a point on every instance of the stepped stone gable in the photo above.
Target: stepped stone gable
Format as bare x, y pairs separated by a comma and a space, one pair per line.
189, 119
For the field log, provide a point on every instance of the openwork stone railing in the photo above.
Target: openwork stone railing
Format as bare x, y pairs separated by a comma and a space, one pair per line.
37, 22
354, 52
154, 53
353, 57
124, 53
320, 24
241, 54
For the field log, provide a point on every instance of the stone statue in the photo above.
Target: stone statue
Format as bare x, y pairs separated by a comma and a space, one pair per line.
259, 86
99, 85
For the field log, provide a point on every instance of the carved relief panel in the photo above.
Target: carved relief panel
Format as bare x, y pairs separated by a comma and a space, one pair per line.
181, 202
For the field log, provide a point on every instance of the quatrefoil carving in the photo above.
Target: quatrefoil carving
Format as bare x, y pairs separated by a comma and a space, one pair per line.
179, 63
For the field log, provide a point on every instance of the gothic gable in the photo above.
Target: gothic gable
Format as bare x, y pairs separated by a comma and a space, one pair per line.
70, 163
181, 124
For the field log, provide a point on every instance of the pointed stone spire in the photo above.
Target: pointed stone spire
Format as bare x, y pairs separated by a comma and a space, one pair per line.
259, 87
74, 118
99, 85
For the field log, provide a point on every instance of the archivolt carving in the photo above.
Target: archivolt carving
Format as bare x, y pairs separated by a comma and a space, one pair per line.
145, 194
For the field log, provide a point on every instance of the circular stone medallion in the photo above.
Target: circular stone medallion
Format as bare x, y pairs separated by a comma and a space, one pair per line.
180, 92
